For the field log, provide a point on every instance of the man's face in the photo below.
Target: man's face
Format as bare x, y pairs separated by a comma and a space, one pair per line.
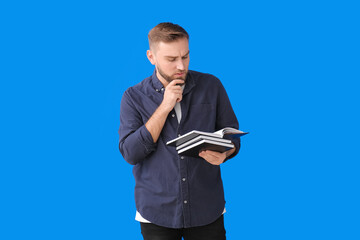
171, 60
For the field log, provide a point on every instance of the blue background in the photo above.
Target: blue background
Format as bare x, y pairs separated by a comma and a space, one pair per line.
291, 70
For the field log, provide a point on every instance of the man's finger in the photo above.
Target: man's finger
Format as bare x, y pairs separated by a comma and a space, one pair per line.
212, 157
213, 153
179, 99
177, 81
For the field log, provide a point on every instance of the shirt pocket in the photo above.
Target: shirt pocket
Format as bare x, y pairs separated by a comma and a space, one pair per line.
201, 117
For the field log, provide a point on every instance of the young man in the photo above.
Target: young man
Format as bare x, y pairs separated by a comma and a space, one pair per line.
175, 196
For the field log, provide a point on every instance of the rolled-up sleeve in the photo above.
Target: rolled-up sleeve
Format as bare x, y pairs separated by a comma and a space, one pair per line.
135, 141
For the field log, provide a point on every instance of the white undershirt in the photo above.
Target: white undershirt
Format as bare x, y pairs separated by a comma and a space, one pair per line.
139, 218
177, 109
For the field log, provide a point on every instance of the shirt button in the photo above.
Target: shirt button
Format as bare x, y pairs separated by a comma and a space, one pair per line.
173, 115
182, 157
157, 90
184, 179
179, 135
185, 202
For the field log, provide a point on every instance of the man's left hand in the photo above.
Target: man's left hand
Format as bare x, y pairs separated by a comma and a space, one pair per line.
215, 158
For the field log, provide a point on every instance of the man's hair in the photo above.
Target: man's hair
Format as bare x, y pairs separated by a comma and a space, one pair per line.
166, 32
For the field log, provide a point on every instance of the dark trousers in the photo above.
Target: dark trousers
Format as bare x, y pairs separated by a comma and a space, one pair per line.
213, 231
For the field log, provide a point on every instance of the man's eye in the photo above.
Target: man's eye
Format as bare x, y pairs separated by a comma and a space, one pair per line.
171, 60
185, 57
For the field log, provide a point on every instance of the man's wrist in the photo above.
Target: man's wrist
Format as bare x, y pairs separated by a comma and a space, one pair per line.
165, 108
230, 152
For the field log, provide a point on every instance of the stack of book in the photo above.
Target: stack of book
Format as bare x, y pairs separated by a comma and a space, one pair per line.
192, 143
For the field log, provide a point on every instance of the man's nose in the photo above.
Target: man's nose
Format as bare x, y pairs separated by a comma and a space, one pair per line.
180, 65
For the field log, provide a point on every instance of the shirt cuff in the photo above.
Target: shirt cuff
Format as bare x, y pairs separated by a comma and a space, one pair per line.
146, 139
237, 144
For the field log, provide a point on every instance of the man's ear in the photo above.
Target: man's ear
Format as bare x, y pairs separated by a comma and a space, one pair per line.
150, 56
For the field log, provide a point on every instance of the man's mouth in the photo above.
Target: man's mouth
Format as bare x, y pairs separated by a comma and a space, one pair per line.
179, 74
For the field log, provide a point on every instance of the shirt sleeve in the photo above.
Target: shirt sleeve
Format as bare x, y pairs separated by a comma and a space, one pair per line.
226, 116
135, 141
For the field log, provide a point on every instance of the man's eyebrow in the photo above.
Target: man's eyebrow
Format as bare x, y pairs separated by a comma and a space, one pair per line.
176, 56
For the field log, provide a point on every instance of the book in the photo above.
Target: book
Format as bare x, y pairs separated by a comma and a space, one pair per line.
231, 132
202, 137
192, 143
194, 149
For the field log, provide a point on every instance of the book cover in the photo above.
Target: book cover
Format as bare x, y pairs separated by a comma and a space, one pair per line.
194, 149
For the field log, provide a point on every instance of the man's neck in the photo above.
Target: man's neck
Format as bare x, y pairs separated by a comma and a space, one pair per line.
161, 79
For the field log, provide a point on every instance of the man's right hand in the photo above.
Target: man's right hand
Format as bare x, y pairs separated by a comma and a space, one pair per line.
173, 94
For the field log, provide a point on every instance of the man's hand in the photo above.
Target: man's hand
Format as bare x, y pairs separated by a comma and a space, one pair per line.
173, 94
216, 158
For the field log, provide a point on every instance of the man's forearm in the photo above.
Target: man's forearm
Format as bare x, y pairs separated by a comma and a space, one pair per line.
156, 122
172, 94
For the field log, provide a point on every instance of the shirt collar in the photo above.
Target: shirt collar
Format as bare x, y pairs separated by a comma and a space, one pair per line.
156, 82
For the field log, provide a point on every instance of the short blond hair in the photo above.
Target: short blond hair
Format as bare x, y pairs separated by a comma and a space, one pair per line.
166, 32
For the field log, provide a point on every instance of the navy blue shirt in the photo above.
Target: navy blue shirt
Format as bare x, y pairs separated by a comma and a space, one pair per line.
171, 190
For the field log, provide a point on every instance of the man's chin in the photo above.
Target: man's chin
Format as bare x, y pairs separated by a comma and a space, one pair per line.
180, 78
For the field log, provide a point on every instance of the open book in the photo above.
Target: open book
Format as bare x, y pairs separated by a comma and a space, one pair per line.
202, 137
191, 143
231, 132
